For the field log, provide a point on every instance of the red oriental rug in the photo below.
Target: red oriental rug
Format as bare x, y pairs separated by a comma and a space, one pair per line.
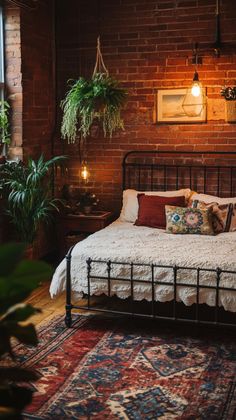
105, 368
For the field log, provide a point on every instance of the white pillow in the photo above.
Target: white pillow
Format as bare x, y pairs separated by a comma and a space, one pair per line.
129, 211
212, 199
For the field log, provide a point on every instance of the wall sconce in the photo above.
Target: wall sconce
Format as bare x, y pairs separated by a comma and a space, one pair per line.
195, 98
84, 171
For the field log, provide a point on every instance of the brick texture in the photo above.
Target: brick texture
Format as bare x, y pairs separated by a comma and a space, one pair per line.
14, 77
37, 79
147, 45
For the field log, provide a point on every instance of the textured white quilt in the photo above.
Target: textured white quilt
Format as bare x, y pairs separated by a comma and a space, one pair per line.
122, 241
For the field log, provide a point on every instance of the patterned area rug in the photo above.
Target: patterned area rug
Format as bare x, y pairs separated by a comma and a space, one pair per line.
118, 369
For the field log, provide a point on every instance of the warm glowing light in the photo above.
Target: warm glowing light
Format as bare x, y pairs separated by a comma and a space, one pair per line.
84, 171
196, 89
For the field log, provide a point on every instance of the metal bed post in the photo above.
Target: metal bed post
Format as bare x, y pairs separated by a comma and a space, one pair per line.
132, 287
218, 273
69, 306
89, 262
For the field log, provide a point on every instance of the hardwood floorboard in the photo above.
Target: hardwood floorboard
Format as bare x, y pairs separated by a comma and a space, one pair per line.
49, 308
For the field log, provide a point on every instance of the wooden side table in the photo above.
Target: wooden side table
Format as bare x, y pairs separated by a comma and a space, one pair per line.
73, 228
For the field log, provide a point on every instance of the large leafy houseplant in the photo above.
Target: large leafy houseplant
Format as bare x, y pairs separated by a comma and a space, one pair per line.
18, 278
28, 192
101, 98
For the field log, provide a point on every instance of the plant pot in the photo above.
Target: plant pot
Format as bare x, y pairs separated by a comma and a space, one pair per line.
87, 209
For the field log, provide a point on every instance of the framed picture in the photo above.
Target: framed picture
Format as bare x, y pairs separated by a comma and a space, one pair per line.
170, 107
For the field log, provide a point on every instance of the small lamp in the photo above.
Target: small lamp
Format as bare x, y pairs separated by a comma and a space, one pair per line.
194, 101
84, 171
196, 87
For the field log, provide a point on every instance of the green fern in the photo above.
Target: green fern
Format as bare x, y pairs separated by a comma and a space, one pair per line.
101, 98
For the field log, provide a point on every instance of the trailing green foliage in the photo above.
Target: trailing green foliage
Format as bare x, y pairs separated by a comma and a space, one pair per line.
100, 97
18, 278
28, 192
4, 123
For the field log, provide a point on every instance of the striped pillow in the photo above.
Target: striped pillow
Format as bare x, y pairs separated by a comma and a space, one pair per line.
223, 215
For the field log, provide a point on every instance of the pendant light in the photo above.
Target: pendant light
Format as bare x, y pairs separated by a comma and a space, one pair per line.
194, 101
196, 85
84, 171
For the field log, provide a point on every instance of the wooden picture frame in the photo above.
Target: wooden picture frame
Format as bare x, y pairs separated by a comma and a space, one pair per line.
170, 110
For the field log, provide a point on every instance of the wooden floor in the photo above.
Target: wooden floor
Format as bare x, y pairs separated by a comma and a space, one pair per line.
50, 308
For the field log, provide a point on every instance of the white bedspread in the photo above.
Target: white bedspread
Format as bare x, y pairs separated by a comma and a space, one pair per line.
122, 241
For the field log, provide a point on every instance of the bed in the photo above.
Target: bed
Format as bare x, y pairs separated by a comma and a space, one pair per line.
139, 263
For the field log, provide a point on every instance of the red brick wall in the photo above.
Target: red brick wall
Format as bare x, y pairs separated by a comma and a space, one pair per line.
147, 45
30, 78
37, 78
14, 76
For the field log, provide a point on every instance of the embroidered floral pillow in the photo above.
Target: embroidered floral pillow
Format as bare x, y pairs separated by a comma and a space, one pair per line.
223, 215
188, 220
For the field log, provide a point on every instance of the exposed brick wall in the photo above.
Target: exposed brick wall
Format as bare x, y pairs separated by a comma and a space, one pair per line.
147, 45
14, 76
37, 78
29, 78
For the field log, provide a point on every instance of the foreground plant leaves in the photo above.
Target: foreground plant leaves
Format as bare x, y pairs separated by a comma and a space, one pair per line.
17, 280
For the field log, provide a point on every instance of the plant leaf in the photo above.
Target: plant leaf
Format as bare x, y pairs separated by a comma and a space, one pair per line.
16, 374
24, 333
20, 312
15, 397
26, 277
10, 256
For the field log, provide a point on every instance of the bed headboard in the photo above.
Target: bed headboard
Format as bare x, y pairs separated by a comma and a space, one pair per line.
206, 172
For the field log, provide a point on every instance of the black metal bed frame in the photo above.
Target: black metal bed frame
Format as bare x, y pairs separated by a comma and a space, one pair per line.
147, 170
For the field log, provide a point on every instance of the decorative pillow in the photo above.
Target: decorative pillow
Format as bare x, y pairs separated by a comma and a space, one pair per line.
151, 210
212, 199
223, 215
188, 220
129, 212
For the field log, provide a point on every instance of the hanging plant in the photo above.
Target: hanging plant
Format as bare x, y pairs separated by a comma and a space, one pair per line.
101, 98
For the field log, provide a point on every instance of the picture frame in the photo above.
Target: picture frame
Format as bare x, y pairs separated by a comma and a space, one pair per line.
170, 110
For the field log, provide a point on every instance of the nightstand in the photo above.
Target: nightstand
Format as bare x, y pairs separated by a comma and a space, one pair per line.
73, 228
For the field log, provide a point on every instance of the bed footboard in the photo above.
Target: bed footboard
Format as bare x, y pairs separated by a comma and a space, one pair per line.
153, 308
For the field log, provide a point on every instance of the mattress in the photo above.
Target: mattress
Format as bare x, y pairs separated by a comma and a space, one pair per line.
123, 242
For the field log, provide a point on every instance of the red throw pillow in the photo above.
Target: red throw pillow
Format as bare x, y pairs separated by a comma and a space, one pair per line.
151, 210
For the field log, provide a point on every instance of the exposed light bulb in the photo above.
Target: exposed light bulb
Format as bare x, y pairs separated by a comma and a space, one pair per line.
196, 89
84, 171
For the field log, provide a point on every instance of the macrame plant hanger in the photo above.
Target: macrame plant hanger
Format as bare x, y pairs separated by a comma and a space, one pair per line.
99, 65
99, 68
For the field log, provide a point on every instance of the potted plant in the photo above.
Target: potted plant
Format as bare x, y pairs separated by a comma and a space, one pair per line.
28, 192
101, 98
87, 201
4, 128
